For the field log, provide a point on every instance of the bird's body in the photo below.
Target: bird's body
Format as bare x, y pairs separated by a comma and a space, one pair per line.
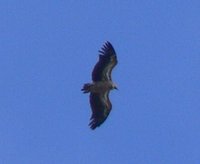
98, 87
102, 83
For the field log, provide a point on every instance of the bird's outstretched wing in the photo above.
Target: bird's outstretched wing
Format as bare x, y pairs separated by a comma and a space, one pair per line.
101, 108
107, 61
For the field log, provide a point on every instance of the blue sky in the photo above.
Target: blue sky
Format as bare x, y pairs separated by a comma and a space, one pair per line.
48, 50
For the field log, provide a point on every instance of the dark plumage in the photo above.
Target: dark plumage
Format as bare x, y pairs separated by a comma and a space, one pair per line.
107, 53
101, 86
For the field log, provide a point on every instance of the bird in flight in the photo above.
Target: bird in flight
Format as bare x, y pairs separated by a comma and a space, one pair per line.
102, 83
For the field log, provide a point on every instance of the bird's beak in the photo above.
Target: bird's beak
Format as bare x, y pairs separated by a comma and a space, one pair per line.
116, 88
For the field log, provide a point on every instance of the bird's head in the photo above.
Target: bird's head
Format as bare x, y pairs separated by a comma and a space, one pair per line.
114, 86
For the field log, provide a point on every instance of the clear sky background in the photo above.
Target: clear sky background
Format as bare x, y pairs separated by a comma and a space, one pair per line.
48, 50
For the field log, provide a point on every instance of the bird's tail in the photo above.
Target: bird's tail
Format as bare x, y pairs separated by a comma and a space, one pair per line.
86, 88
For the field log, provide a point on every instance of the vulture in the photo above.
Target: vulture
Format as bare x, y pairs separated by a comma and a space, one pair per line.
101, 85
